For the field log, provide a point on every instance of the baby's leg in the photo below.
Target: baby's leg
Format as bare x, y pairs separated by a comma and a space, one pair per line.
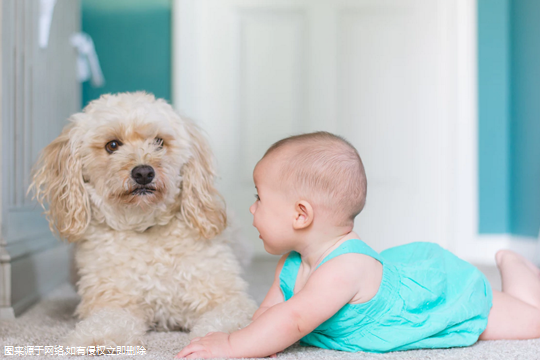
520, 278
516, 310
511, 319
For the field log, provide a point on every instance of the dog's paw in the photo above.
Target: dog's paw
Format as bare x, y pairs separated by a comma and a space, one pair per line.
227, 317
107, 328
200, 332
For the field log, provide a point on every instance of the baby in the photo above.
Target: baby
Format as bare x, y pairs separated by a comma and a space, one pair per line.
333, 291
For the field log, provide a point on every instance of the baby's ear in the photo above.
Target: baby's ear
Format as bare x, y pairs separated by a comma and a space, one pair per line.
202, 206
303, 215
58, 181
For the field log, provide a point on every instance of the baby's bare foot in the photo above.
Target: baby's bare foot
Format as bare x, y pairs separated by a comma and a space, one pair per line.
503, 256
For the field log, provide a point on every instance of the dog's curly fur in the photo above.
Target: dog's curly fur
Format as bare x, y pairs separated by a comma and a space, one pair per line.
157, 258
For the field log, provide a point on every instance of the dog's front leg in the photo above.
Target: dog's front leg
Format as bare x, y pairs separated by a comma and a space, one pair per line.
108, 327
232, 314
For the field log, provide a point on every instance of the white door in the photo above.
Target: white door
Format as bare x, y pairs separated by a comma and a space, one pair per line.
381, 73
38, 92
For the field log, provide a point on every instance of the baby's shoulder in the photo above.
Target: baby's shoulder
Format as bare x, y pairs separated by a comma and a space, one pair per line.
360, 271
354, 265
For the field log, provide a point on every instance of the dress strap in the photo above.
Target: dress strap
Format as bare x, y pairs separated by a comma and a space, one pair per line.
355, 246
289, 272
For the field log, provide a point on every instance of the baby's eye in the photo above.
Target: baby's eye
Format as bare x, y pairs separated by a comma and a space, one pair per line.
257, 197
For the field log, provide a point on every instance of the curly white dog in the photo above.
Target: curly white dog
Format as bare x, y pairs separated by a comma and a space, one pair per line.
131, 183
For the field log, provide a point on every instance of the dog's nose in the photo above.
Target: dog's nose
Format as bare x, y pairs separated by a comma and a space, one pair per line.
143, 174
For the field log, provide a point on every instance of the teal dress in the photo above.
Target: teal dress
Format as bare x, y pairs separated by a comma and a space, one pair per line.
428, 298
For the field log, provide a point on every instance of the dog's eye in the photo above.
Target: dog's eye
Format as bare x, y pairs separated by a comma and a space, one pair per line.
112, 146
159, 142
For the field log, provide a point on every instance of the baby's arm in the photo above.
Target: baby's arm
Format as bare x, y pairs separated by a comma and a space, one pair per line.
328, 289
274, 295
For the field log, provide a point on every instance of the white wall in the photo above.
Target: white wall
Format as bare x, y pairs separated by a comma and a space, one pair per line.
253, 72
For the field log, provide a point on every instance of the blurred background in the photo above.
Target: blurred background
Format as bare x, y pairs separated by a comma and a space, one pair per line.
440, 97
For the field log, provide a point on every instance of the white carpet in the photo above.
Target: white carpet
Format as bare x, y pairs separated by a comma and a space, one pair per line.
48, 321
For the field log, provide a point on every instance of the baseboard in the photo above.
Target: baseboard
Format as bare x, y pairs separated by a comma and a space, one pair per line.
482, 249
478, 250
32, 277
7, 313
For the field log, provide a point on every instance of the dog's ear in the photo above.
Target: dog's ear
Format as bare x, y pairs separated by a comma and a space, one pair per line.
58, 181
202, 206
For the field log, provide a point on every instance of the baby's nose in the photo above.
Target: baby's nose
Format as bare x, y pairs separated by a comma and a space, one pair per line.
252, 209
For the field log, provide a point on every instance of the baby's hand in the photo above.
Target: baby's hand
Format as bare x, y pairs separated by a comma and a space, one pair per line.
213, 345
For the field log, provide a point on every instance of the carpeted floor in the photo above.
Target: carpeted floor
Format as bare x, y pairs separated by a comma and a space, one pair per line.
47, 322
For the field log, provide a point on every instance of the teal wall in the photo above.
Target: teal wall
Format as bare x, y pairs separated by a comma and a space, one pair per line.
133, 43
494, 116
525, 117
509, 116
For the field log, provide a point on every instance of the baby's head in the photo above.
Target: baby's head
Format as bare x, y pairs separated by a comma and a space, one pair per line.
321, 168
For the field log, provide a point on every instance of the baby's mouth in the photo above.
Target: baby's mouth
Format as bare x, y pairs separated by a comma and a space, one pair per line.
143, 190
